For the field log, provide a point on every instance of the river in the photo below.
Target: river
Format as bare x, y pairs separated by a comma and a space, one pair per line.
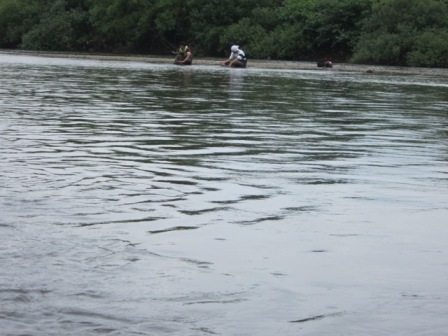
150, 199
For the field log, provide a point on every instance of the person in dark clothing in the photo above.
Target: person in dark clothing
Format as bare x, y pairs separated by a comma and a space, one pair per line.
325, 64
184, 55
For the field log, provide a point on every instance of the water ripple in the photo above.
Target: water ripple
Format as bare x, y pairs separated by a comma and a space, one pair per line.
143, 199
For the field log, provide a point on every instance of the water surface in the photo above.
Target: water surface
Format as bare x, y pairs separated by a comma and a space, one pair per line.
145, 199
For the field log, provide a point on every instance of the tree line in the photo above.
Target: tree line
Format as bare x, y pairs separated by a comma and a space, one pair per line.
384, 32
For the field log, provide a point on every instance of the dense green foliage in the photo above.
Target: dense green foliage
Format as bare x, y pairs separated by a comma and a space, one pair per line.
395, 32
405, 32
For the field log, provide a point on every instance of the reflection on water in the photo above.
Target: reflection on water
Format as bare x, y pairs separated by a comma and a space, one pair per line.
142, 199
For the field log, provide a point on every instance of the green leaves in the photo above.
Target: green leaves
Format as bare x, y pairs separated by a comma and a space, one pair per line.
395, 32
58, 30
405, 32
119, 23
430, 49
16, 18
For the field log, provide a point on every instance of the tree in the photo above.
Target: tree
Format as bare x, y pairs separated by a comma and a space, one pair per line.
16, 18
119, 24
216, 24
399, 32
332, 27
312, 29
430, 50
60, 28
395, 32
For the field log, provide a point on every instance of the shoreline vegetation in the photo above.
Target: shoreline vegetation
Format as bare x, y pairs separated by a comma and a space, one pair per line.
401, 33
252, 63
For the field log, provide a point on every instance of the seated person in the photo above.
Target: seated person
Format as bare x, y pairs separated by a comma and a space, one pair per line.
325, 64
237, 58
184, 55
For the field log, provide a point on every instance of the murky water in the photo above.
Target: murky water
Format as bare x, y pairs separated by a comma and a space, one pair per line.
142, 199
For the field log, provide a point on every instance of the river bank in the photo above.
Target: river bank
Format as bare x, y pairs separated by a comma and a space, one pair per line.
253, 63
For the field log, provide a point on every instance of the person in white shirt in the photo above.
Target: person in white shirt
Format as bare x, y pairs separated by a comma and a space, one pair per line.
237, 58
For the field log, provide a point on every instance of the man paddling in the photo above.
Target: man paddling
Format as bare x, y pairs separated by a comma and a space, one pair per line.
237, 58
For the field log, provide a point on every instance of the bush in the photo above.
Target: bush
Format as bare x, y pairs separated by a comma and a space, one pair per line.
430, 50
382, 49
406, 33
251, 37
58, 32
16, 18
